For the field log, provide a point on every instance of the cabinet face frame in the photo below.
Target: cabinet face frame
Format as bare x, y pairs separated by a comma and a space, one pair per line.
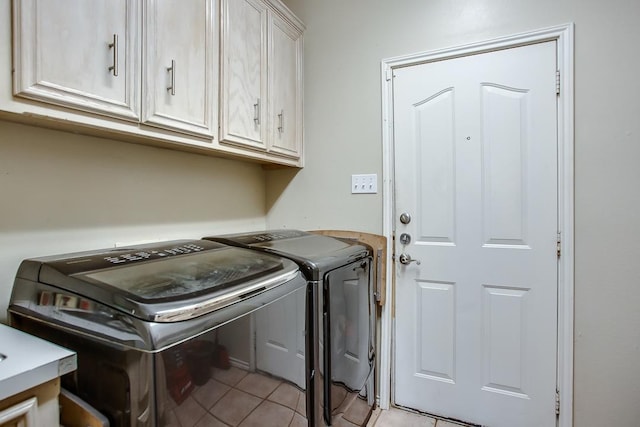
156, 109
29, 79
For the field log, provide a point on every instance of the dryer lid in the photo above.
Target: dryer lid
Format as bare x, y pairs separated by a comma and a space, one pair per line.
314, 253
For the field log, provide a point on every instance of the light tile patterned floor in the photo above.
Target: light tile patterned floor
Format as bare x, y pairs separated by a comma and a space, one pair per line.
395, 417
235, 397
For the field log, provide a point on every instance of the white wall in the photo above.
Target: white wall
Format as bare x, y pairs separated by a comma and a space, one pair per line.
61, 192
344, 44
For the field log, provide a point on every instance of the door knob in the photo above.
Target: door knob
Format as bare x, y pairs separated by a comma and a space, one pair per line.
405, 218
406, 259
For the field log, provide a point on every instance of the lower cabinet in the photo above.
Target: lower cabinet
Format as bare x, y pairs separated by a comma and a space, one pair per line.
37, 406
30, 371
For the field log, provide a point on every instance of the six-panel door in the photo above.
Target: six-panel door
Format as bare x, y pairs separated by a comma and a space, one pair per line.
476, 169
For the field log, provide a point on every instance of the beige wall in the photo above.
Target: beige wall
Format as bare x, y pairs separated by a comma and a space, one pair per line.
61, 192
344, 44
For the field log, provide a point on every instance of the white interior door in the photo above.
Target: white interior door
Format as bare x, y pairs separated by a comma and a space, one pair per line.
475, 145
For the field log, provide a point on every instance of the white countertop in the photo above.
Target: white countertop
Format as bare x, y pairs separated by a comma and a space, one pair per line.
28, 361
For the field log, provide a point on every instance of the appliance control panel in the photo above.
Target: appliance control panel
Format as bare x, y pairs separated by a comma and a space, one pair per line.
154, 253
268, 236
81, 263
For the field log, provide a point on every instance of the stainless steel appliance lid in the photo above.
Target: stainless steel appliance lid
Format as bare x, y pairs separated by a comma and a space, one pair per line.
187, 275
161, 282
313, 252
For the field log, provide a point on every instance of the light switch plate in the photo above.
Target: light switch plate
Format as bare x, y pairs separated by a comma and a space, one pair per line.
364, 183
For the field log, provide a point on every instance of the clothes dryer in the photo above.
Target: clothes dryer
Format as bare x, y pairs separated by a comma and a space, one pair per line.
340, 272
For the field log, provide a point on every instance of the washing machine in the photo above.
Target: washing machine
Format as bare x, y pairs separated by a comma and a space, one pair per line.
181, 333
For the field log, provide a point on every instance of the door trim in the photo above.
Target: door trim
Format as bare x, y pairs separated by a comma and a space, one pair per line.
563, 35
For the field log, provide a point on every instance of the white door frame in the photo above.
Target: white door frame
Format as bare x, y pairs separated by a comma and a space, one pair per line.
563, 35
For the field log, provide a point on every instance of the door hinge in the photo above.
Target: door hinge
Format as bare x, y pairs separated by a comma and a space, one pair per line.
557, 82
389, 74
557, 402
559, 244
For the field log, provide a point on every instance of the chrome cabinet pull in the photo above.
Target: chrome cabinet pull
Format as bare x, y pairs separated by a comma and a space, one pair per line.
256, 112
172, 70
281, 121
114, 46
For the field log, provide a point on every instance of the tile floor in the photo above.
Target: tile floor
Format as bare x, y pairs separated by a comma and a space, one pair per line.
395, 417
235, 397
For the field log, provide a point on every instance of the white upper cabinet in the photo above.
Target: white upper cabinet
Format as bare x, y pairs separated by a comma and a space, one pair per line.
218, 77
79, 54
244, 72
180, 66
285, 87
261, 71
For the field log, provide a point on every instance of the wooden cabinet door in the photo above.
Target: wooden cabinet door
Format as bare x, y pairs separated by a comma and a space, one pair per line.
79, 54
22, 414
244, 78
180, 53
285, 91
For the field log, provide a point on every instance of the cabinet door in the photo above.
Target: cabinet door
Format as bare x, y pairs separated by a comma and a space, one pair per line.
79, 54
179, 68
285, 90
244, 73
23, 414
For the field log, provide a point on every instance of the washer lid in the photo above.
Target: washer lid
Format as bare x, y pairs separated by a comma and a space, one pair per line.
185, 276
163, 282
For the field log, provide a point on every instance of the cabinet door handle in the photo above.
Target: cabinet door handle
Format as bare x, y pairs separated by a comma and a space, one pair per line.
172, 70
256, 112
281, 121
114, 45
